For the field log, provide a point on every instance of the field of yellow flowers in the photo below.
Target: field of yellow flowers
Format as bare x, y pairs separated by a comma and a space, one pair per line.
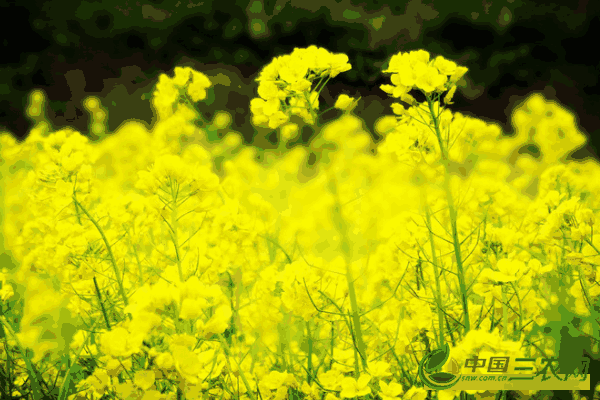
161, 265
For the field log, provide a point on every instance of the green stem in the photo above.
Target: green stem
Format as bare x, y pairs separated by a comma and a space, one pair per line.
101, 304
63, 394
354, 347
459, 261
110, 253
438, 294
310, 348
141, 271
504, 314
242, 375
174, 232
342, 228
34, 378
520, 307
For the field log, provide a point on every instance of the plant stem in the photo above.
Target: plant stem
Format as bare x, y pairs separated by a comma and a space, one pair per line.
34, 378
141, 271
101, 304
438, 294
345, 245
62, 395
110, 253
241, 372
310, 345
504, 314
174, 193
459, 261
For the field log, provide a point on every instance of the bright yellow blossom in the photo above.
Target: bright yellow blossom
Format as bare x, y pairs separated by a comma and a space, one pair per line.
390, 391
355, 388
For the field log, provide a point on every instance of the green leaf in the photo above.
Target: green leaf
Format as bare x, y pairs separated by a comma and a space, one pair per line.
436, 359
442, 377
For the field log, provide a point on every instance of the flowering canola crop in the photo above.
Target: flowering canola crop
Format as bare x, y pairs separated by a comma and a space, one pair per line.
146, 272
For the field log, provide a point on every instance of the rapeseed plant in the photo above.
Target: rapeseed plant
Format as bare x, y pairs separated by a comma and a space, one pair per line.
162, 265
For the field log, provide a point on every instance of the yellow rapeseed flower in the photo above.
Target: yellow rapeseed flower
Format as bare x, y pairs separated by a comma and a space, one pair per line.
144, 379
390, 391
355, 388
117, 343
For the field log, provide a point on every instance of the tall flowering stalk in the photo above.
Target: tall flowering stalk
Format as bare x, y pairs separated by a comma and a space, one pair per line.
345, 246
415, 70
453, 217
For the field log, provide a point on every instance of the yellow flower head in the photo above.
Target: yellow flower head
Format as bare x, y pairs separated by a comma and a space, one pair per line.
390, 391
344, 102
144, 379
355, 388
117, 343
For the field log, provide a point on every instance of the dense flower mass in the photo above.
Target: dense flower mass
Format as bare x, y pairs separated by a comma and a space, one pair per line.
285, 84
161, 265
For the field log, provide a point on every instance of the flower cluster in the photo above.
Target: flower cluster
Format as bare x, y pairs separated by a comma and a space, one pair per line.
186, 82
415, 70
285, 83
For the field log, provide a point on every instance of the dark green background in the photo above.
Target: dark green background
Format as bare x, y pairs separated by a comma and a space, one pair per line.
116, 49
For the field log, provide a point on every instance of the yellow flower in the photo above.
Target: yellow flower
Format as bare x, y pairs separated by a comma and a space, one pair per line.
192, 308
197, 89
380, 369
292, 69
288, 130
271, 106
586, 216
446, 67
311, 391
99, 381
144, 379
458, 74
390, 391
353, 388
217, 323
6, 292
331, 379
406, 76
344, 102
117, 343
398, 109
338, 64
450, 95
448, 394
508, 270
268, 90
397, 62
182, 76
113, 366
164, 360
277, 119
276, 380
187, 363
430, 80
300, 86
418, 57
164, 96
415, 393
125, 389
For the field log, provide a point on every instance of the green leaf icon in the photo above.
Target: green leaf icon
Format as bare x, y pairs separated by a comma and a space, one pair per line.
436, 359
442, 377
